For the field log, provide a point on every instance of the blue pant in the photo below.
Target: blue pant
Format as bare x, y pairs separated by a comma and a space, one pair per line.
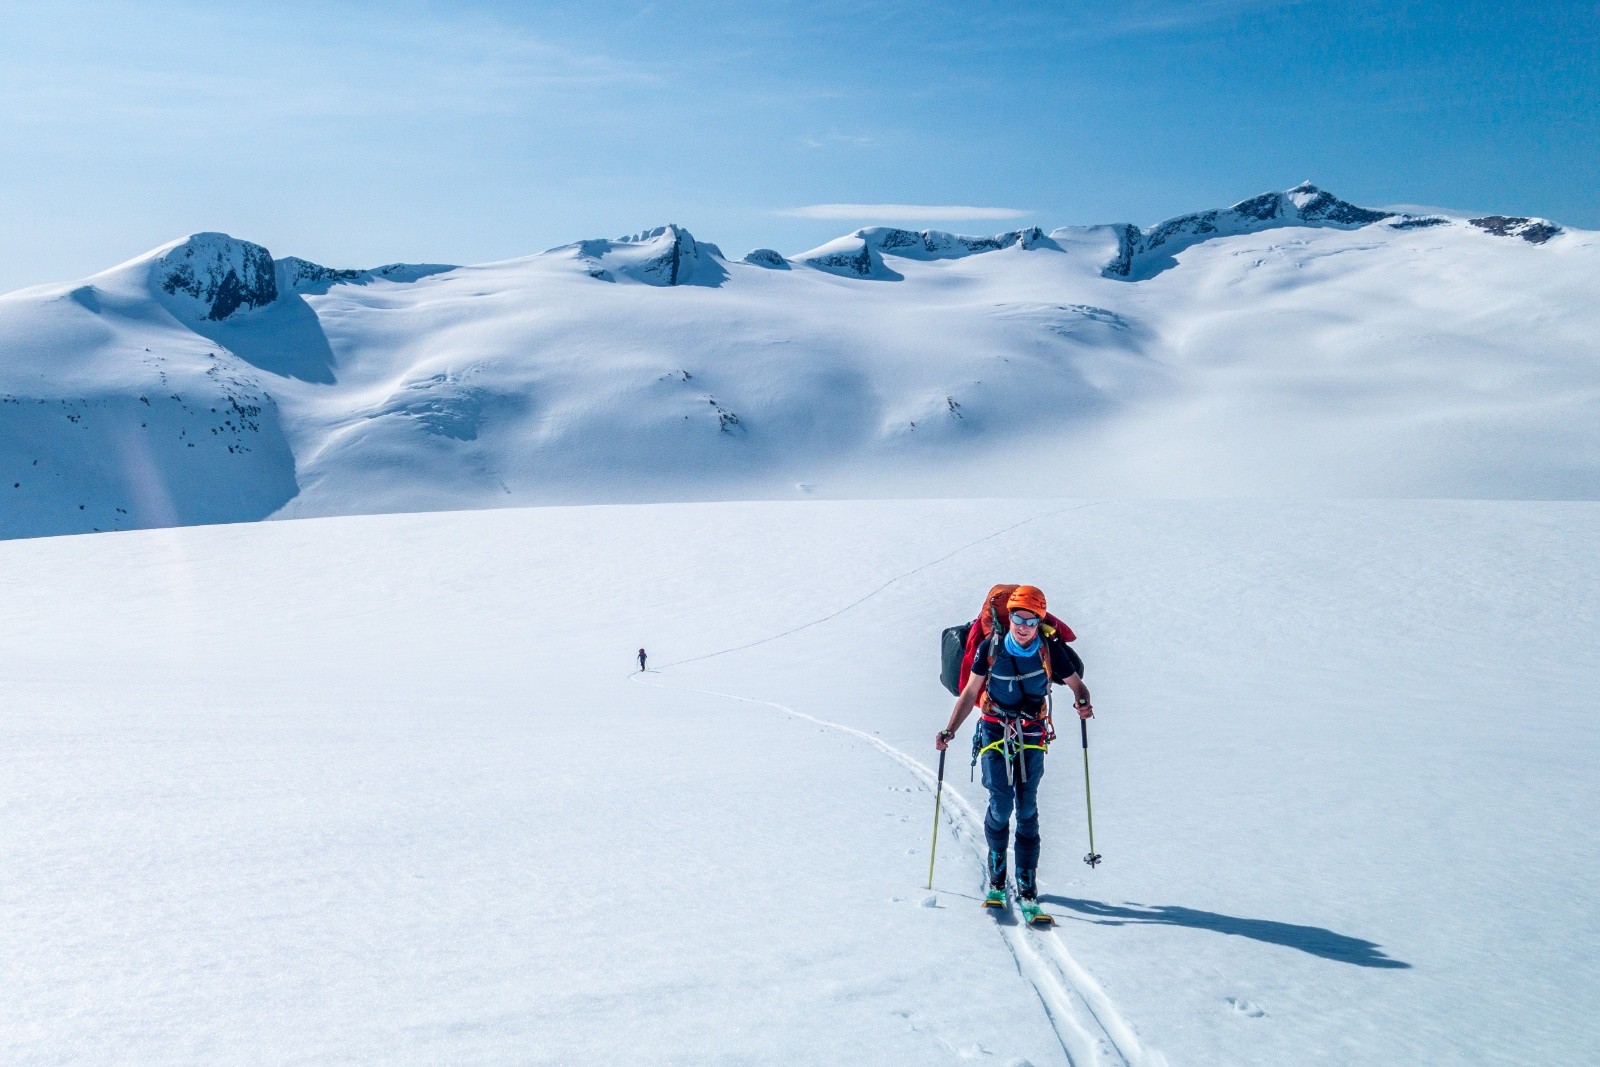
1006, 795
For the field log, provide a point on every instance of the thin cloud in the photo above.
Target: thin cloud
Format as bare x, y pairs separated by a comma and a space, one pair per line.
837, 139
1164, 16
902, 212
436, 67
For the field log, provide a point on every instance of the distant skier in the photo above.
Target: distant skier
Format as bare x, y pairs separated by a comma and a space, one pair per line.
1011, 674
641, 660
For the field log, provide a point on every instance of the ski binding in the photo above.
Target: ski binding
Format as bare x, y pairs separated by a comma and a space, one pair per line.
1034, 915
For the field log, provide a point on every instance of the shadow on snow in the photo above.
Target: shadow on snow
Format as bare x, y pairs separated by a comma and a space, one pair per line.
1312, 939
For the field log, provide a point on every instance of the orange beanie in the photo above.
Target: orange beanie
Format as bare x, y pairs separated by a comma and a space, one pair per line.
1028, 598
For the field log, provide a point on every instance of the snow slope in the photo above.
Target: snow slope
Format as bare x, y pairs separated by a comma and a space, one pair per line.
382, 789
1293, 344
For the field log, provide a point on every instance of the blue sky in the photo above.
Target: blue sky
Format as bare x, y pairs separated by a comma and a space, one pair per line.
361, 133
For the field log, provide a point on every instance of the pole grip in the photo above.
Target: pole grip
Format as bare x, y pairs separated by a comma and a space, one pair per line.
1083, 727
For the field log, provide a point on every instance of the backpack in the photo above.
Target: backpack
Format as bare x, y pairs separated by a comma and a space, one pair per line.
952, 650
958, 644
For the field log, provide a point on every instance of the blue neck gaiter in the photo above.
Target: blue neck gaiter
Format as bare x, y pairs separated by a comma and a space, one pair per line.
1021, 651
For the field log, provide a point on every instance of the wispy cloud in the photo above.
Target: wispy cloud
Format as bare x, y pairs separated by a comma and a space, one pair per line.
1176, 16
432, 66
854, 141
901, 212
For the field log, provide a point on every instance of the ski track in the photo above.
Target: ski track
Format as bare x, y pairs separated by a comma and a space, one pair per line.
897, 578
1086, 1020
1087, 1023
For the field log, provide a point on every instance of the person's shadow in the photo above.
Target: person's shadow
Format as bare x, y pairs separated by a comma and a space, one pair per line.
1312, 939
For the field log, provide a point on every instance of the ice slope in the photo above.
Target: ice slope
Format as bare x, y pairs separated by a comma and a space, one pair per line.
382, 789
1294, 344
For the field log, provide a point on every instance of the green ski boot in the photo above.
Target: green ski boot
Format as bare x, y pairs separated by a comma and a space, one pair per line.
1028, 899
996, 897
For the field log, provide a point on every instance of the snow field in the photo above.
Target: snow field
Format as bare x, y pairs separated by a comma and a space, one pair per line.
380, 788
1255, 355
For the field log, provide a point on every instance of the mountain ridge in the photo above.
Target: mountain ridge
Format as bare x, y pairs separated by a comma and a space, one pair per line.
1294, 343
220, 274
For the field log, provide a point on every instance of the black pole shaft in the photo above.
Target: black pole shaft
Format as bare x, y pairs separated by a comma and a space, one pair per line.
1093, 857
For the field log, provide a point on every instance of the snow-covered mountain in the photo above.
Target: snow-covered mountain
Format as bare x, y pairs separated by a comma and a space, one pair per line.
1293, 343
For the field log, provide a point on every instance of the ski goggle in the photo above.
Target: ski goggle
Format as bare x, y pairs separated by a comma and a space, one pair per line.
1026, 624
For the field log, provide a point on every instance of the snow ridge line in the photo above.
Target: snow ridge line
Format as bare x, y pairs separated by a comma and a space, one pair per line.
862, 600
1052, 973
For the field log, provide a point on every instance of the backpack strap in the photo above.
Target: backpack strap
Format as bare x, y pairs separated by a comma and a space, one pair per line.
995, 645
1045, 709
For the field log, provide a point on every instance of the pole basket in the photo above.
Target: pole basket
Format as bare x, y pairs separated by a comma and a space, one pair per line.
1093, 859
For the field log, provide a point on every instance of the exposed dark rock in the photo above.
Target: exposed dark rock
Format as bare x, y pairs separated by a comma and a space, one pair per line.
858, 262
1200, 224
220, 272
766, 257
678, 261
1411, 222
937, 244
1325, 207
667, 255
1263, 207
1128, 238
292, 271
671, 261
1534, 231
1146, 254
891, 240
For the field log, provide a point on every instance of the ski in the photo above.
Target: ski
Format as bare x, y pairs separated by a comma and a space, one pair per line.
1033, 915
995, 898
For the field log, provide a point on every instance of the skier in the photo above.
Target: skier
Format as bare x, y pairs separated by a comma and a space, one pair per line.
1010, 683
641, 660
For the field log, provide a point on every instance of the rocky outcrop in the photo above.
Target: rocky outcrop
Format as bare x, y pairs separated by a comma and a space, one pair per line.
1143, 254
667, 255
1315, 205
1127, 247
1418, 222
1534, 231
299, 274
937, 244
858, 261
217, 275
861, 254
766, 257
294, 272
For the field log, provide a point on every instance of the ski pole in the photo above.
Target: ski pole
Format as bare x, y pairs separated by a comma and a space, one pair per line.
938, 795
1093, 857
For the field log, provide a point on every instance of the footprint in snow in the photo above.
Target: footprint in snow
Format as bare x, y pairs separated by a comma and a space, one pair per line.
1246, 1008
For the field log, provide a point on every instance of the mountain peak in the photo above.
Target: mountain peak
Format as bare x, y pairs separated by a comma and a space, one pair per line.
215, 274
1144, 254
860, 254
665, 255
